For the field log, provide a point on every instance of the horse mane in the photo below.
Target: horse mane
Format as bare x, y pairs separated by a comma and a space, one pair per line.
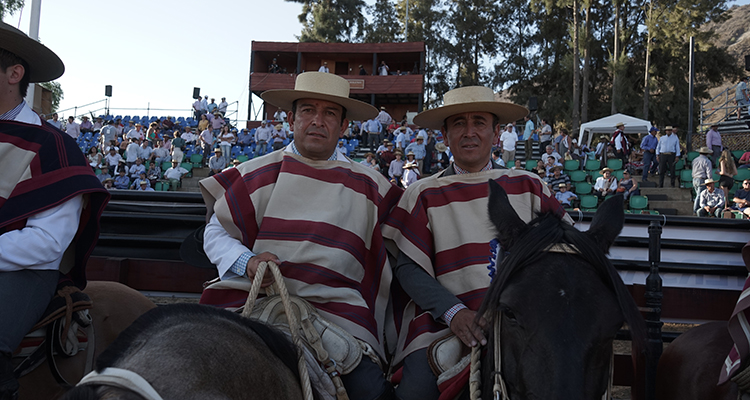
276, 341
548, 230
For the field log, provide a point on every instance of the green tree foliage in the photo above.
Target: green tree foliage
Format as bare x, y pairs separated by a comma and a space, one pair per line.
57, 93
526, 47
8, 7
385, 26
331, 20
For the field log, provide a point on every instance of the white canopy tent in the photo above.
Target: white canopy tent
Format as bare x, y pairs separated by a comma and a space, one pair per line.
607, 125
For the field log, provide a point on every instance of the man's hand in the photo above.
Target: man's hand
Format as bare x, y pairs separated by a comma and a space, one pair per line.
467, 330
252, 267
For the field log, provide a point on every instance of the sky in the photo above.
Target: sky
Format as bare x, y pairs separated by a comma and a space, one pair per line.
154, 52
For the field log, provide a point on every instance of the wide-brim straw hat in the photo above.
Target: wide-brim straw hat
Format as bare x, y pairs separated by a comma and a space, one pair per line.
619, 124
470, 99
441, 147
606, 170
45, 65
410, 165
321, 86
709, 180
705, 150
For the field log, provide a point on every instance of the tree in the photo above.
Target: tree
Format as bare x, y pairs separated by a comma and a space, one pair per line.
331, 20
8, 7
385, 26
57, 93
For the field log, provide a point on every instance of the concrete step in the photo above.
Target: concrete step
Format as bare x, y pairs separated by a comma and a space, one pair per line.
672, 194
190, 182
682, 207
200, 172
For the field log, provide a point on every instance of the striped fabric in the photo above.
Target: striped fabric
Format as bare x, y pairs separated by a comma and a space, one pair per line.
43, 168
441, 223
739, 329
322, 219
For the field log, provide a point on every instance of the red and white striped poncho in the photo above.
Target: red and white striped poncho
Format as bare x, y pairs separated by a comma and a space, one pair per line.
442, 224
322, 219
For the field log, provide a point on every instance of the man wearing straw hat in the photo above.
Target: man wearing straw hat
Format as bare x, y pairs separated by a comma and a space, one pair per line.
668, 150
50, 200
294, 207
440, 227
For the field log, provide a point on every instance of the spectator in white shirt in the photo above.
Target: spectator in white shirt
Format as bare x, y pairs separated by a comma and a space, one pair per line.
72, 128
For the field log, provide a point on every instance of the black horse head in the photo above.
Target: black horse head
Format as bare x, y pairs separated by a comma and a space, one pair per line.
559, 307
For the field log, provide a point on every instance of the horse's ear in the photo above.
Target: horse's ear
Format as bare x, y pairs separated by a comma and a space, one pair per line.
607, 222
509, 226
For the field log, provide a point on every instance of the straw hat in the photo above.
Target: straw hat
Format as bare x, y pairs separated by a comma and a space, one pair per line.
668, 128
44, 64
398, 152
705, 150
410, 153
441, 147
607, 170
470, 99
620, 124
410, 165
322, 86
562, 185
708, 181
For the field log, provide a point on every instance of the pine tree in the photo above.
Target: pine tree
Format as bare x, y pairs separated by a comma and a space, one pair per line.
385, 26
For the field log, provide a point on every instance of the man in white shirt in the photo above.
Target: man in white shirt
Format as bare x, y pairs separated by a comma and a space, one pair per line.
262, 136
324, 67
174, 174
223, 106
549, 151
668, 150
197, 108
54, 121
72, 128
41, 222
508, 143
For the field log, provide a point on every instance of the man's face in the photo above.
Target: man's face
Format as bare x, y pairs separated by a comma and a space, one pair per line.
548, 150
674, 130
710, 187
470, 136
317, 127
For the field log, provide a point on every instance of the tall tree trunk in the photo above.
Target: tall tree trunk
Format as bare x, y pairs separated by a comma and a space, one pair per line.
615, 57
576, 71
646, 74
586, 87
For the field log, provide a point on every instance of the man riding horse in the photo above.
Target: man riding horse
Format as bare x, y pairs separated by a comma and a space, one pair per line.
447, 247
50, 200
317, 214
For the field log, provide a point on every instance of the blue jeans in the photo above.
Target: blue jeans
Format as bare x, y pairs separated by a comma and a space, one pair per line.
648, 158
366, 381
260, 149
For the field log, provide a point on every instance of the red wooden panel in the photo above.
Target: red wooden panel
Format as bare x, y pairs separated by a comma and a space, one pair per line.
407, 47
691, 303
391, 84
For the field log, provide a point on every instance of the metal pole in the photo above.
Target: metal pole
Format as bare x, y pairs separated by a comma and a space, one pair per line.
654, 297
690, 100
36, 8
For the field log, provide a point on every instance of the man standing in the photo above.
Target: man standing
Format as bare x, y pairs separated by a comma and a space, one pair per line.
372, 127
54, 121
197, 108
701, 169
72, 128
622, 147
48, 206
443, 266
545, 136
713, 142
419, 150
385, 119
528, 130
508, 144
741, 96
324, 67
223, 107
262, 136
204, 105
346, 280
667, 151
648, 146
212, 106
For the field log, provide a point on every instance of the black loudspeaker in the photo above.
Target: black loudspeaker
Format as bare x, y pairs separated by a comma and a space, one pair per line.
196, 93
532, 103
108, 90
747, 63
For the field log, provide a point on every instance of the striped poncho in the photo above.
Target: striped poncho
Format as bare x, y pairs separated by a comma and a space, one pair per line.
43, 168
323, 220
442, 224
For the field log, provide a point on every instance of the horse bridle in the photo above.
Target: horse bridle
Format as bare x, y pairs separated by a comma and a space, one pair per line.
499, 388
123, 379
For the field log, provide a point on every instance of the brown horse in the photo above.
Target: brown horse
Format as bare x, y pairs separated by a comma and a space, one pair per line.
115, 307
689, 367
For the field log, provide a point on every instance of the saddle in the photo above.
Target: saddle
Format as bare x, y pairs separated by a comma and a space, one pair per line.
65, 329
448, 356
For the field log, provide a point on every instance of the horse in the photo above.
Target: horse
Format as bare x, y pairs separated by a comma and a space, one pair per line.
555, 305
192, 351
115, 307
689, 367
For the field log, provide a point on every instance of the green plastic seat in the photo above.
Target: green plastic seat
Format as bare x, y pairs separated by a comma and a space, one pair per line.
589, 202
582, 188
593, 165
738, 153
570, 165
196, 159
638, 202
686, 175
578, 176
692, 156
614, 163
679, 165
165, 165
242, 158
530, 165
742, 174
618, 174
